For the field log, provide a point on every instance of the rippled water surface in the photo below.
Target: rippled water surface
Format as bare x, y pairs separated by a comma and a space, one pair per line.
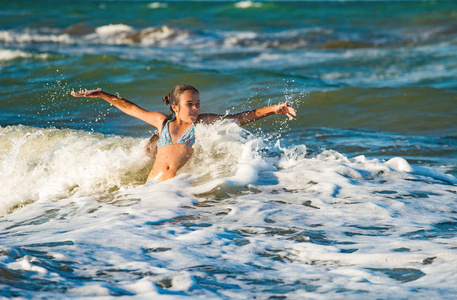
356, 198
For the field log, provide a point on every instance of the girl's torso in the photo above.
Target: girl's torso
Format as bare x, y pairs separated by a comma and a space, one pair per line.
172, 156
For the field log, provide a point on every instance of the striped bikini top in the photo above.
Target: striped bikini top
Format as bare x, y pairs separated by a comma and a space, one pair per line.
188, 138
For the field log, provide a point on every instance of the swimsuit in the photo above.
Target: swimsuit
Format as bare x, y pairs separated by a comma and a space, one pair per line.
188, 138
151, 182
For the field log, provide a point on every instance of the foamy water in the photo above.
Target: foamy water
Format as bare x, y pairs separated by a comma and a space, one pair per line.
251, 218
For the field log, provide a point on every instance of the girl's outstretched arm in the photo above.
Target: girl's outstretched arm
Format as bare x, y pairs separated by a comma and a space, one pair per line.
153, 118
252, 115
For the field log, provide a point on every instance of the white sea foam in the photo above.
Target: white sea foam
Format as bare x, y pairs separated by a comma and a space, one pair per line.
121, 34
7, 54
156, 5
241, 214
31, 36
51, 164
247, 4
112, 34
41, 164
113, 29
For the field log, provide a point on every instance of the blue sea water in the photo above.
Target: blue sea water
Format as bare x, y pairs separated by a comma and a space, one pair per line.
356, 198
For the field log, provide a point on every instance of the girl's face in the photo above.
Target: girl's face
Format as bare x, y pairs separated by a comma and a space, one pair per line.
188, 109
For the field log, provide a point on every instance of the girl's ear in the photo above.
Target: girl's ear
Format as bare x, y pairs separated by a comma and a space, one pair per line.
175, 109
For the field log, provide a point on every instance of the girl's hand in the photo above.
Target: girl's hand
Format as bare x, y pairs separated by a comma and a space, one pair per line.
92, 93
285, 109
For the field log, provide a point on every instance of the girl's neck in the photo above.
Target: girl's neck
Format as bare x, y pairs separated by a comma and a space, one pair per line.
181, 122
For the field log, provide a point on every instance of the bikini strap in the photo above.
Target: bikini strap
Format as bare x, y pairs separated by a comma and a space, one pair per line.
165, 122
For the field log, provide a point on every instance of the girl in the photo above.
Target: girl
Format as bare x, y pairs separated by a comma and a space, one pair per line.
177, 130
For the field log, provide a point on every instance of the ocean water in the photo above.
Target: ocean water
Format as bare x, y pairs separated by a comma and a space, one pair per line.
355, 199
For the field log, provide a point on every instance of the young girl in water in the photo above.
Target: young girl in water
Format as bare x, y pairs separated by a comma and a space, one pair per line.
177, 130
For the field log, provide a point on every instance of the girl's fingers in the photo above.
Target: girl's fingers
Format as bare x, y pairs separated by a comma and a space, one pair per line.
80, 94
285, 109
77, 94
288, 110
91, 93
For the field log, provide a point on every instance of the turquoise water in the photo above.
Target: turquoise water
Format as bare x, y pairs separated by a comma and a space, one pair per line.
355, 197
